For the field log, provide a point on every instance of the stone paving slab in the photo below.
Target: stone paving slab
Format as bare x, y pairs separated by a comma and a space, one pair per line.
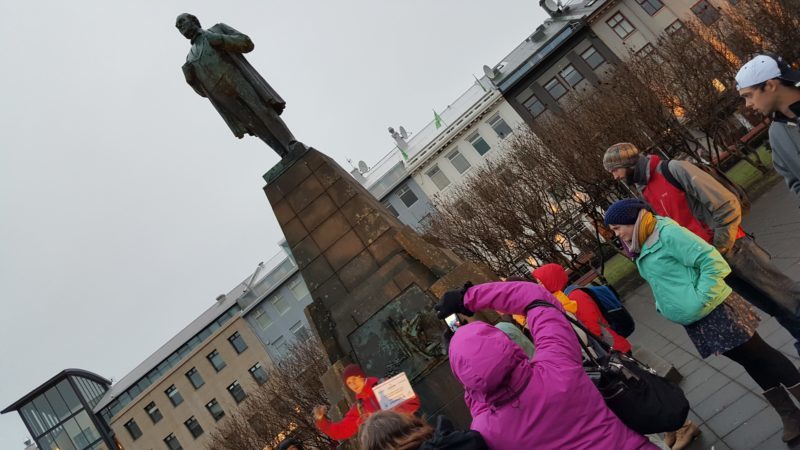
726, 402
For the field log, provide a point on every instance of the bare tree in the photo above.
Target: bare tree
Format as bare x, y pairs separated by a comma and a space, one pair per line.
679, 97
281, 407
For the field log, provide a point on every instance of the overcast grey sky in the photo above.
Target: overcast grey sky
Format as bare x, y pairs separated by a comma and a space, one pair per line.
127, 204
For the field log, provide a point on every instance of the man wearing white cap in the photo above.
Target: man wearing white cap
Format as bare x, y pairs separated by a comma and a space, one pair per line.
770, 86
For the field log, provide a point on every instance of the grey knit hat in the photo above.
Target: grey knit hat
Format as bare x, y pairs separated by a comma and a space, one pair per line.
620, 155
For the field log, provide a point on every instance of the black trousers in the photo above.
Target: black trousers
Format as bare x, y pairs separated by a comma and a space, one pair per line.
767, 366
760, 282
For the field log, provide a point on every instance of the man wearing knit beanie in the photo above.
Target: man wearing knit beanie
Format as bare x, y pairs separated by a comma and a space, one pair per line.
619, 159
366, 403
697, 201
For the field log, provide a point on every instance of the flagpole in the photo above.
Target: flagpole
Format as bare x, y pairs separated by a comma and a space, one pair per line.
479, 83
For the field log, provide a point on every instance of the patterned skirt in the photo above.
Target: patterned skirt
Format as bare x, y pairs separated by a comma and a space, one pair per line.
728, 326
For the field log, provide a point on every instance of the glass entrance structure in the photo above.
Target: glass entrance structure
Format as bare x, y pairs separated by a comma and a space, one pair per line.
58, 414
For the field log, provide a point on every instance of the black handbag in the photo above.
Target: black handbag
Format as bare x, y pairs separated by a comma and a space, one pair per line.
644, 401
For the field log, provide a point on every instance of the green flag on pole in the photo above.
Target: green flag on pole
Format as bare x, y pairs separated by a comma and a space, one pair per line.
403, 152
437, 120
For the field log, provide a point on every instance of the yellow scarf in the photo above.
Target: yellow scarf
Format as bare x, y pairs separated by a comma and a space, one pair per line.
569, 305
645, 224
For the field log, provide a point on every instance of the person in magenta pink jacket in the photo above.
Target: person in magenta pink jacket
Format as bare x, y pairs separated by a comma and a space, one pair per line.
547, 402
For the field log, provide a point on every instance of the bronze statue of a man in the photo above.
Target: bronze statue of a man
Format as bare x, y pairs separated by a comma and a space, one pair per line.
216, 69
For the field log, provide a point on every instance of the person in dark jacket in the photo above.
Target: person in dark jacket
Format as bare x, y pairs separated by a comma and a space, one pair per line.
712, 212
388, 430
768, 85
365, 405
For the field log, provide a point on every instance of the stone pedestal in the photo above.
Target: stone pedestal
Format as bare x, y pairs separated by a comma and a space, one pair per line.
373, 280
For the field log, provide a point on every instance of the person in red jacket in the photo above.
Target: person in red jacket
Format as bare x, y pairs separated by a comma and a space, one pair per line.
554, 279
366, 403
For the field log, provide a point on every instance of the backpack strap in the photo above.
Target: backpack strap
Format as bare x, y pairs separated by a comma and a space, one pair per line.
589, 334
664, 168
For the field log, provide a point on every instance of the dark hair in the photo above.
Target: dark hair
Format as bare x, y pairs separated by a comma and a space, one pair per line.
389, 430
785, 83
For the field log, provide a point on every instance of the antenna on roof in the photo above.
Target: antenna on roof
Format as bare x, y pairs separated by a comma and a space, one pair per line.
490, 72
249, 284
553, 7
403, 133
363, 167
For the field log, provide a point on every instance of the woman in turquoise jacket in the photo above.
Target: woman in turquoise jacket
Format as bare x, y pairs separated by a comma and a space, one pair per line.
687, 276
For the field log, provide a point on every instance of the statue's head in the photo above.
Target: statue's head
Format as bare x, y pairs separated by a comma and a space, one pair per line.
188, 25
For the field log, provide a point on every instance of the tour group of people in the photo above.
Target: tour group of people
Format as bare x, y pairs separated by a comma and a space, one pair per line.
524, 379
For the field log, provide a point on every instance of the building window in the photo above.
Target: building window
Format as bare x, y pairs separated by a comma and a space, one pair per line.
438, 177
674, 27
458, 161
194, 427
407, 196
298, 287
258, 373
216, 360
280, 347
172, 442
391, 209
592, 57
133, 429
650, 6
279, 303
174, 396
194, 377
645, 51
534, 105
237, 342
500, 126
555, 88
570, 75
236, 391
262, 318
300, 331
152, 410
706, 12
215, 410
620, 25
479, 144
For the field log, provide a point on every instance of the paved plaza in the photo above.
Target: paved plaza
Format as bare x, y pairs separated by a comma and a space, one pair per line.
726, 403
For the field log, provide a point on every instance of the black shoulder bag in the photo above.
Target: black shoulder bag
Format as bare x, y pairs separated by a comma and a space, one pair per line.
645, 402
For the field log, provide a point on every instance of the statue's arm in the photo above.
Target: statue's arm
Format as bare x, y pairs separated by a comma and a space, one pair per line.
230, 39
191, 79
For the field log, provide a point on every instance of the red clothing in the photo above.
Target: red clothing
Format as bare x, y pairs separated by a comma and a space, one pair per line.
348, 426
591, 317
669, 201
554, 279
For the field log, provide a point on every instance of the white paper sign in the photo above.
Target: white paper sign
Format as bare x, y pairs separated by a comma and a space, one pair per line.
393, 391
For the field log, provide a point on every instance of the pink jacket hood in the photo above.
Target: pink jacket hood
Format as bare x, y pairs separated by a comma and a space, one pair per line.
496, 371
547, 402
